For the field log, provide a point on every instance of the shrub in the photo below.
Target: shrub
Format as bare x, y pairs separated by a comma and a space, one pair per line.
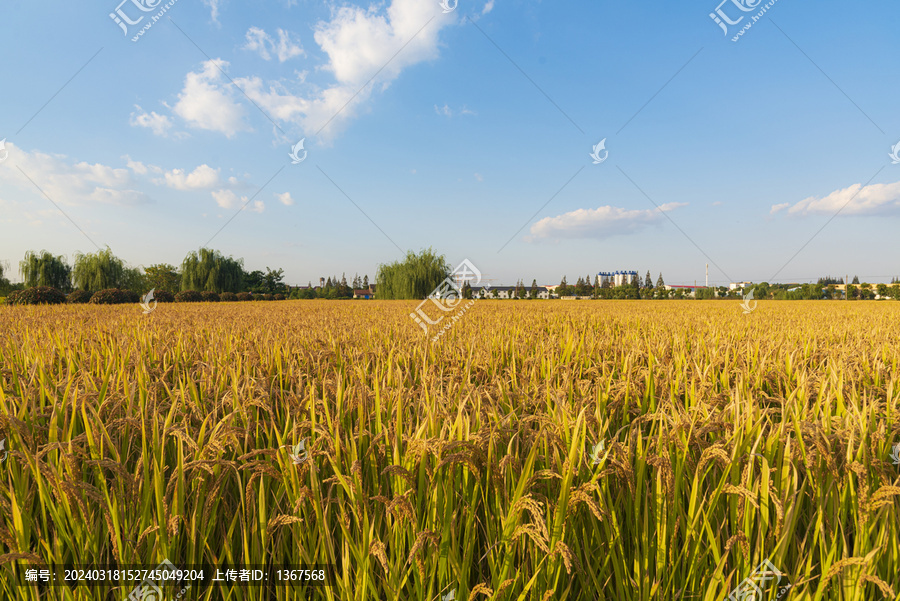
38, 295
188, 296
110, 296
163, 296
279, 296
268, 297
131, 296
229, 297
79, 296
244, 296
209, 297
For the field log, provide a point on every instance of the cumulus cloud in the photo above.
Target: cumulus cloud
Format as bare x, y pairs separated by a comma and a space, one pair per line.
875, 199
262, 43
206, 102
227, 199
285, 199
158, 124
203, 177
488, 7
68, 182
602, 222
359, 44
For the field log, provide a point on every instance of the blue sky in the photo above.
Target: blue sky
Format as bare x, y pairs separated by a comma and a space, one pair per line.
474, 138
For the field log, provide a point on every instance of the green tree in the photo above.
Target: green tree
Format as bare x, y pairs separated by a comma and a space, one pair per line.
273, 281
45, 270
534, 289
415, 277
648, 282
163, 276
659, 281
134, 280
98, 271
855, 280
209, 270
882, 290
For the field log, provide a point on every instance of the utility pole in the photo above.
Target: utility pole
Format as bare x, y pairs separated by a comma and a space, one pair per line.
707, 275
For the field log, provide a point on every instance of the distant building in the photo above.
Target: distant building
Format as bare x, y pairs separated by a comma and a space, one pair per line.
737, 285
617, 278
363, 293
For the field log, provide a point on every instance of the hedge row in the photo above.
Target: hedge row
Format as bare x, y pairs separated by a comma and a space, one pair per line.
45, 295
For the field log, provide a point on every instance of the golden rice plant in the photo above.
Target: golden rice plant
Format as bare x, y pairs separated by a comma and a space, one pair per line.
472, 465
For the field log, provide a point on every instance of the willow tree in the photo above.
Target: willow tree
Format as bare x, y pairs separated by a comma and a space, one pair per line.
45, 270
98, 271
210, 270
415, 277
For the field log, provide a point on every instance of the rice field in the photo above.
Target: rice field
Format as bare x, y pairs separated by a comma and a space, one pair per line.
589, 450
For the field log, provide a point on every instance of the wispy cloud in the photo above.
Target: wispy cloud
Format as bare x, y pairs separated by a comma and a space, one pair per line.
446, 111
70, 182
602, 222
262, 43
875, 199
213, 6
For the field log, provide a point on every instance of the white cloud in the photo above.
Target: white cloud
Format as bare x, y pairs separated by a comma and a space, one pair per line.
213, 6
478, 177
876, 199
488, 7
203, 177
261, 42
227, 199
285, 199
602, 222
359, 43
204, 103
446, 111
159, 124
68, 182
258, 206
